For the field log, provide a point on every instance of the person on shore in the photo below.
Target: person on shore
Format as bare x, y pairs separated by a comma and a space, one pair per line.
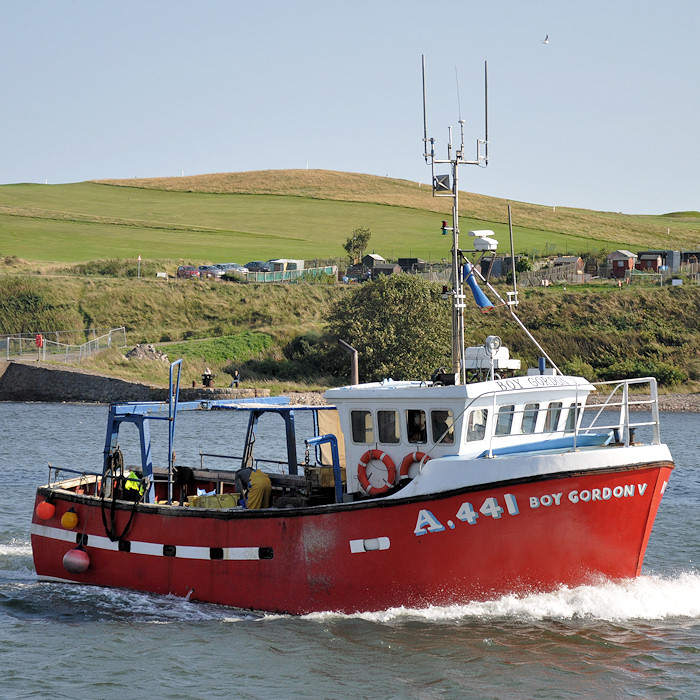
236, 379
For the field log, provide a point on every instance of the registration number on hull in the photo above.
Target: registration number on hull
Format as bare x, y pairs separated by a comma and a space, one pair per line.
492, 508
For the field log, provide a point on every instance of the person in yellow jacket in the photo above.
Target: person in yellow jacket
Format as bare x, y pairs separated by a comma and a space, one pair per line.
133, 485
255, 488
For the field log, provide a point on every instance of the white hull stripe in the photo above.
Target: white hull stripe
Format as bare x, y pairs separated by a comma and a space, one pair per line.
371, 545
154, 549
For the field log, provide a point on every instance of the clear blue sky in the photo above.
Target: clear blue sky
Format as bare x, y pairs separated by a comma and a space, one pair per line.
606, 116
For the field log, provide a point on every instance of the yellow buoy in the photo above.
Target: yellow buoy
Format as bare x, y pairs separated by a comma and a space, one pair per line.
69, 519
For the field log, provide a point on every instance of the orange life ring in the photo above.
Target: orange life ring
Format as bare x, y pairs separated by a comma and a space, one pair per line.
409, 459
383, 457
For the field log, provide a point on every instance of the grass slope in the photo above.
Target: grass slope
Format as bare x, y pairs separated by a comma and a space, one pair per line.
297, 213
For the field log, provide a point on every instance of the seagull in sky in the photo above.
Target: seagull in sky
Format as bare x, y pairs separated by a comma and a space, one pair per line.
546, 40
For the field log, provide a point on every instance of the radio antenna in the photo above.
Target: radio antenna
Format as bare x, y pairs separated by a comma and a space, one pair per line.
459, 103
486, 113
442, 187
426, 154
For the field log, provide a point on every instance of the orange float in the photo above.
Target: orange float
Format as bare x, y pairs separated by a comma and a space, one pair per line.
46, 510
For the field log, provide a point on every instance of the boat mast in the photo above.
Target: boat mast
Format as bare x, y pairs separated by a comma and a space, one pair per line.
443, 188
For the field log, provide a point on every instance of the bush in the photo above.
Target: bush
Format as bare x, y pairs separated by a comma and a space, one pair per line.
664, 372
399, 325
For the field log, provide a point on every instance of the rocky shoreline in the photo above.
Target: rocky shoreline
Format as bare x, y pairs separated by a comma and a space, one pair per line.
679, 403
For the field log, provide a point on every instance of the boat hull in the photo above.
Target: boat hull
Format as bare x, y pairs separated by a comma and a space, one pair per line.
469, 544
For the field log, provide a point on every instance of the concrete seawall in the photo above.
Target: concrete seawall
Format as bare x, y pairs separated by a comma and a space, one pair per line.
20, 381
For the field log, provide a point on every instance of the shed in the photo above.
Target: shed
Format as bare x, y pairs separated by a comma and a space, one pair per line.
385, 269
412, 264
648, 261
621, 262
492, 267
573, 261
670, 258
372, 259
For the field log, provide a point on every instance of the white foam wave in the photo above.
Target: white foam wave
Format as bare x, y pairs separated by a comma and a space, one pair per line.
15, 550
645, 598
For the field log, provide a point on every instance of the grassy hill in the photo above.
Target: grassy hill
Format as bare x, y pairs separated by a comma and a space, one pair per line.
292, 213
54, 241
598, 330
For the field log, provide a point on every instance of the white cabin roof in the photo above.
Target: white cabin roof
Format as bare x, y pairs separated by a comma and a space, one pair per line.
389, 390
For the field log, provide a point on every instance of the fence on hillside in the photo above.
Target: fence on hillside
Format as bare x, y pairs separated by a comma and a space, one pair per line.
293, 275
23, 346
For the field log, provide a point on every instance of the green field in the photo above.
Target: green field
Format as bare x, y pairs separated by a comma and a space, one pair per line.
89, 221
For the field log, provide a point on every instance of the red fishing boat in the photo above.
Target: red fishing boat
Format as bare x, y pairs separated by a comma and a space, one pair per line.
474, 483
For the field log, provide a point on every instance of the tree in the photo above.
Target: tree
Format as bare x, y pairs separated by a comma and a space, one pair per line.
399, 325
356, 244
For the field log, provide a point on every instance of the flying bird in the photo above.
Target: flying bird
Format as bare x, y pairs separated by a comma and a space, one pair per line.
546, 40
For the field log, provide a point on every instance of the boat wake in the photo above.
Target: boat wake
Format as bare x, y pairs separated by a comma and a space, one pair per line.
653, 597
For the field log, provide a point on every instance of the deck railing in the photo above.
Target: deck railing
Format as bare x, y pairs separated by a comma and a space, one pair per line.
588, 418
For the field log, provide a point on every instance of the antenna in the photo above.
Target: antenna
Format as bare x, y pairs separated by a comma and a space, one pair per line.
442, 188
426, 155
459, 103
486, 112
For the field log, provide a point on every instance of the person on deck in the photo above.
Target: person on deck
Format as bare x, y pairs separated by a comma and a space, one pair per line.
255, 488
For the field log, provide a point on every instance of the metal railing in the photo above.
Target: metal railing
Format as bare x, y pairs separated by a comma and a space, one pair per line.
292, 275
24, 346
576, 417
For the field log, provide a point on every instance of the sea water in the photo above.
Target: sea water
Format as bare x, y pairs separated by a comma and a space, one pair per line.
636, 638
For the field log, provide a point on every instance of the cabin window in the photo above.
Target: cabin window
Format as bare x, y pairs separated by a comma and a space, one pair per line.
442, 425
416, 426
551, 420
504, 421
388, 426
572, 418
476, 426
530, 417
362, 429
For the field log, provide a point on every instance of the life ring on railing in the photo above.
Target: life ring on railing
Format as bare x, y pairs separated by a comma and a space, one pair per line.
408, 460
382, 457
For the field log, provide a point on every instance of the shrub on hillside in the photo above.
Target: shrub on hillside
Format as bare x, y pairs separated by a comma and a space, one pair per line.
116, 268
664, 372
579, 368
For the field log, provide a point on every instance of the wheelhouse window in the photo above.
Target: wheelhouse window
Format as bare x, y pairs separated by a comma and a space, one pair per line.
551, 421
504, 420
362, 428
530, 417
442, 426
416, 427
572, 418
388, 426
476, 425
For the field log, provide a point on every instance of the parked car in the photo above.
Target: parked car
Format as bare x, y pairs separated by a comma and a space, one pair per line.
187, 271
233, 267
258, 266
210, 271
